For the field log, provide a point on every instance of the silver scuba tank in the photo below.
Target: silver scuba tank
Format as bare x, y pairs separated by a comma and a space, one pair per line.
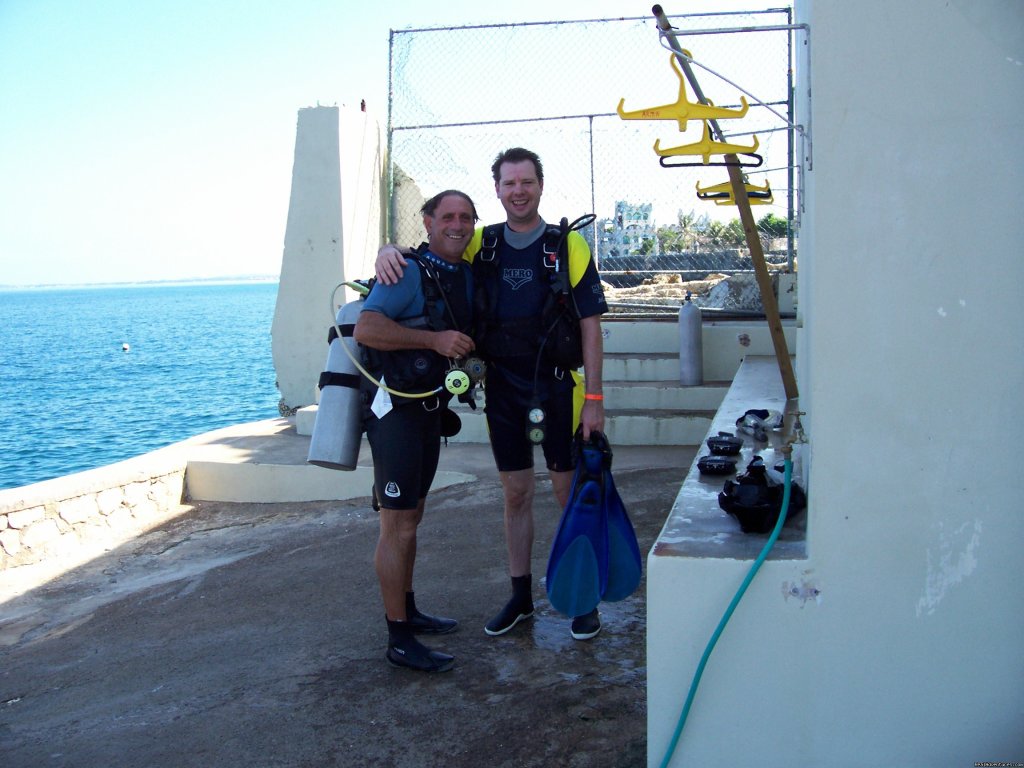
338, 430
691, 347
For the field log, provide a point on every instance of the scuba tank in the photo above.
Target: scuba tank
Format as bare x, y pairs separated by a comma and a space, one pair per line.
691, 348
338, 430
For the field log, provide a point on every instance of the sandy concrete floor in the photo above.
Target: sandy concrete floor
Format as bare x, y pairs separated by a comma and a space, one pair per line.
253, 635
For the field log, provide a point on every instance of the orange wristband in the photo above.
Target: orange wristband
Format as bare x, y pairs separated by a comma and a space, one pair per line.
593, 397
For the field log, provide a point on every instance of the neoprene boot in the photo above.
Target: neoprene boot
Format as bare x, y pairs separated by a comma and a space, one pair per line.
404, 650
425, 624
519, 608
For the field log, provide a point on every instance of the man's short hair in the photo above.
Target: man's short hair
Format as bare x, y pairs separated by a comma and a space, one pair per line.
431, 205
517, 155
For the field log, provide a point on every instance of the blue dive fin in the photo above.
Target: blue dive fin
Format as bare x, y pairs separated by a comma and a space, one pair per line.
578, 566
625, 566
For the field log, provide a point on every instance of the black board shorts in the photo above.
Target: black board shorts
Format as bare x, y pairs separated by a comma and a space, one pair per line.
406, 445
506, 409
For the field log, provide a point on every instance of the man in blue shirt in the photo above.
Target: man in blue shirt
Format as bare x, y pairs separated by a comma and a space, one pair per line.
411, 333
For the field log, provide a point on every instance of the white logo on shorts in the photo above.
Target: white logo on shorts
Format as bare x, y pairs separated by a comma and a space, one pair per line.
392, 491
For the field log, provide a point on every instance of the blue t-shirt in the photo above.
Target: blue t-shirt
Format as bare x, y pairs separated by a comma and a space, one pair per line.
404, 300
418, 370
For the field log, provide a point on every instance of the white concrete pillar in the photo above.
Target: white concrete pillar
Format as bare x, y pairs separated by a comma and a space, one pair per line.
312, 260
337, 187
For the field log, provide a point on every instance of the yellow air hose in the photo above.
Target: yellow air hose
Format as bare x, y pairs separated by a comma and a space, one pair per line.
334, 321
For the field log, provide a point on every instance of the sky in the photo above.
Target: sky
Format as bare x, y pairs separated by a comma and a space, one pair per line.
145, 140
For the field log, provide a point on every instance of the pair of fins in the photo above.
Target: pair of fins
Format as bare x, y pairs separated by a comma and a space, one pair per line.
595, 555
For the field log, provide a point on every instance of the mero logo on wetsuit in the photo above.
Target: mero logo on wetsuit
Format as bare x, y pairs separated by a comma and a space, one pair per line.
517, 278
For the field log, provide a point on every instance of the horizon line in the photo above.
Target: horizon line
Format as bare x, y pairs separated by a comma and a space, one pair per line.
164, 281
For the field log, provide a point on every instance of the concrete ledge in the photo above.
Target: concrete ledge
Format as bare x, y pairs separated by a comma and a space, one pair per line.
65, 518
697, 526
272, 483
648, 427
636, 426
694, 570
726, 343
58, 524
663, 395
69, 519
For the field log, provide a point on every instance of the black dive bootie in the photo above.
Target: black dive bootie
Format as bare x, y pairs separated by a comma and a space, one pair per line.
519, 608
424, 624
404, 650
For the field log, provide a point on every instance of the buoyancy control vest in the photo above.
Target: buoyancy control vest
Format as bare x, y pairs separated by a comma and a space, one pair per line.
553, 334
446, 306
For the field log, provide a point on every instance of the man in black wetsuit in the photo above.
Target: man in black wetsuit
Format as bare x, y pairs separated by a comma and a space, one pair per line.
410, 331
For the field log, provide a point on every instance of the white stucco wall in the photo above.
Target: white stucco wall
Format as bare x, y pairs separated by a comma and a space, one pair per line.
917, 515
363, 192
910, 370
312, 256
334, 230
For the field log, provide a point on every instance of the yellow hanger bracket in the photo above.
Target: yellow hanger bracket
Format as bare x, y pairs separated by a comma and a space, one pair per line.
682, 109
722, 194
706, 147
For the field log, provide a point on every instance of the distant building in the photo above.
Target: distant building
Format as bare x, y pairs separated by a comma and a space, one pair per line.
629, 233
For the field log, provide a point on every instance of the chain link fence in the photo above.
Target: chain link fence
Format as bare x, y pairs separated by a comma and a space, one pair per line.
460, 95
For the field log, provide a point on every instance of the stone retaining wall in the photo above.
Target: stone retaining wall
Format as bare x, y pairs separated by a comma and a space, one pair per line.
55, 518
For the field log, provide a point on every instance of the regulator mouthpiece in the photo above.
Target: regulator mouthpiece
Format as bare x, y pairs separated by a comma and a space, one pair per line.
475, 367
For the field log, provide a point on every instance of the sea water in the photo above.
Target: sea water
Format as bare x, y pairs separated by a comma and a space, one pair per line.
94, 375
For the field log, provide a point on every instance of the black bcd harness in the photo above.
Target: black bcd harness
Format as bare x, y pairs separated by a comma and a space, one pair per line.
418, 370
555, 335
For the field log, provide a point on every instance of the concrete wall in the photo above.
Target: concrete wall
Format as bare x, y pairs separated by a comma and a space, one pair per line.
917, 518
335, 226
406, 201
69, 519
362, 154
910, 370
724, 342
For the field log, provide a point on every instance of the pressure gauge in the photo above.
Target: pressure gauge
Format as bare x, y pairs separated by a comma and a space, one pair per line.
535, 425
456, 381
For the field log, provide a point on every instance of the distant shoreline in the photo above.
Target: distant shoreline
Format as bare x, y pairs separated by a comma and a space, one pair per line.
228, 280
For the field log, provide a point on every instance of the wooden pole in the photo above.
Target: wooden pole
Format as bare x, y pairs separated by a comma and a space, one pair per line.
764, 281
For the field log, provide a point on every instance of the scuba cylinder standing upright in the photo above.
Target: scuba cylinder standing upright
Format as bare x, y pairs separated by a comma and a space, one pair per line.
338, 429
691, 347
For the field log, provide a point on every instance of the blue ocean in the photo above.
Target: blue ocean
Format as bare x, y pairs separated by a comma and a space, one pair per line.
94, 375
